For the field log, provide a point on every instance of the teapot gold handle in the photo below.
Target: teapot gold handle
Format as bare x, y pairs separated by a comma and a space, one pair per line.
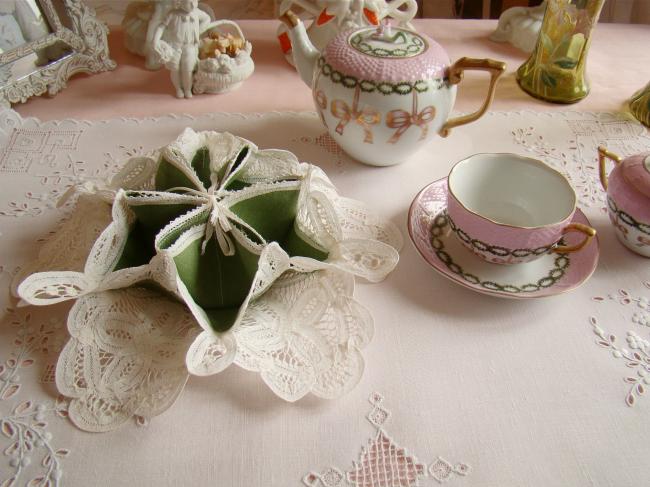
495, 68
603, 155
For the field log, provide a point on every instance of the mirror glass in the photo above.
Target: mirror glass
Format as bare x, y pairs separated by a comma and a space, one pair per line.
43, 43
33, 61
22, 23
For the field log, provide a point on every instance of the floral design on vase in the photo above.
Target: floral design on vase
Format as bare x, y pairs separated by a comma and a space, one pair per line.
383, 462
640, 105
636, 354
556, 69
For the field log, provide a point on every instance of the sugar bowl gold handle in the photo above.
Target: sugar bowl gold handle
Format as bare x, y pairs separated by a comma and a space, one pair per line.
576, 227
603, 155
456, 71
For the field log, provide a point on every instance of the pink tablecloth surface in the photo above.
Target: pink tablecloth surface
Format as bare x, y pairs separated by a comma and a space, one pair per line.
618, 66
457, 386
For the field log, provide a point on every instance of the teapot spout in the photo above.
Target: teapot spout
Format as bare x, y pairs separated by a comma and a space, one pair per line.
305, 55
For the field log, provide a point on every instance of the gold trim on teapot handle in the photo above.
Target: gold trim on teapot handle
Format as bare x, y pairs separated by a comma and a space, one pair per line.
495, 68
603, 155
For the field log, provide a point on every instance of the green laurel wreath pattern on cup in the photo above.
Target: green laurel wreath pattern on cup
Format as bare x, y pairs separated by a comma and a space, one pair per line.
627, 218
497, 250
561, 264
383, 87
414, 46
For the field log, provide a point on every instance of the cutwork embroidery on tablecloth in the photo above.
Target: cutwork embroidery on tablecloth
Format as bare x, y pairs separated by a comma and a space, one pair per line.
27, 146
636, 355
329, 145
383, 463
580, 162
65, 174
33, 458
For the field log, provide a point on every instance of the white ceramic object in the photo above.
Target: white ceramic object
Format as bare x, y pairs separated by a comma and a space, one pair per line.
135, 25
520, 26
175, 43
628, 198
509, 209
224, 73
329, 17
550, 275
384, 92
139, 24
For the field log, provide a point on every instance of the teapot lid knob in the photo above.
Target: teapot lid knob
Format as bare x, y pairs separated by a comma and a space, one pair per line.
384, 30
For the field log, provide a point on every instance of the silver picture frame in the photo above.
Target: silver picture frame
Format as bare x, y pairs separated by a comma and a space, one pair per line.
77, 42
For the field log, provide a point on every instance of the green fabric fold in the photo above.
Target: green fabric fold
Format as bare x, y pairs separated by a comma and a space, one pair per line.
217, 283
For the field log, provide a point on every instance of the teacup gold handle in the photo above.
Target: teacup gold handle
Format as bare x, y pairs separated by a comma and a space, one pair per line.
576, 227
603, 155
495, 68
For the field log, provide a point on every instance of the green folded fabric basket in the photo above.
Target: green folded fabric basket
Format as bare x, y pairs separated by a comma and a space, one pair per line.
215, 224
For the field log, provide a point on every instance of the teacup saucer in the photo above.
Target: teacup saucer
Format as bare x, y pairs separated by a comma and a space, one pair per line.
549, 275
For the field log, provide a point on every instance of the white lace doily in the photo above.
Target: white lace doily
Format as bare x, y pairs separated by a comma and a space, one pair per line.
299, 327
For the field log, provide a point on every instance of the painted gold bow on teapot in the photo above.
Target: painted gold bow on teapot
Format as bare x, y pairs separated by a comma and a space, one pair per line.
365, 118
402, 120
396, 86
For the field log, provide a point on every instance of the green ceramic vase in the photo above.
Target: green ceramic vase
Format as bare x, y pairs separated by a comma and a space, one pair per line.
555, 71
640, 105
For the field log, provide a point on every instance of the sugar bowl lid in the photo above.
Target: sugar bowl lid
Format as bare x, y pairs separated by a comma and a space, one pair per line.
386, 54
636, 171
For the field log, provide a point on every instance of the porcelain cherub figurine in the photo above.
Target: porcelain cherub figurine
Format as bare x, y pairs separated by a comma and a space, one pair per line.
176, 43
520, 26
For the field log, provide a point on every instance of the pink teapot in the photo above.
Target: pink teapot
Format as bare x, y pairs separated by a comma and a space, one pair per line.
384, 92
628, 198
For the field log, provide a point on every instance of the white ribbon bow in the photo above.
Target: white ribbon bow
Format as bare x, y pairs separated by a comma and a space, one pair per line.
220, 217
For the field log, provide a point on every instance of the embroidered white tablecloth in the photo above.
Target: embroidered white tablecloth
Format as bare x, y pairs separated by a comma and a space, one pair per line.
458, 386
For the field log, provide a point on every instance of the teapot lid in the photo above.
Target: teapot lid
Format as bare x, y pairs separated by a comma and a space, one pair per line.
387, 54
636, 171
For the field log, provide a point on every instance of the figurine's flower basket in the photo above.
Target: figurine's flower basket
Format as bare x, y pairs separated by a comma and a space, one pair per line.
223, 72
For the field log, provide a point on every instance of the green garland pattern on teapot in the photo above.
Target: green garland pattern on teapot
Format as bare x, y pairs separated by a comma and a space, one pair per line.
561, 264
383, 87
413, 45
497, 250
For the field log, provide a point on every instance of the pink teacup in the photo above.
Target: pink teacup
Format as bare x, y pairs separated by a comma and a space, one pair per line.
509, 209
